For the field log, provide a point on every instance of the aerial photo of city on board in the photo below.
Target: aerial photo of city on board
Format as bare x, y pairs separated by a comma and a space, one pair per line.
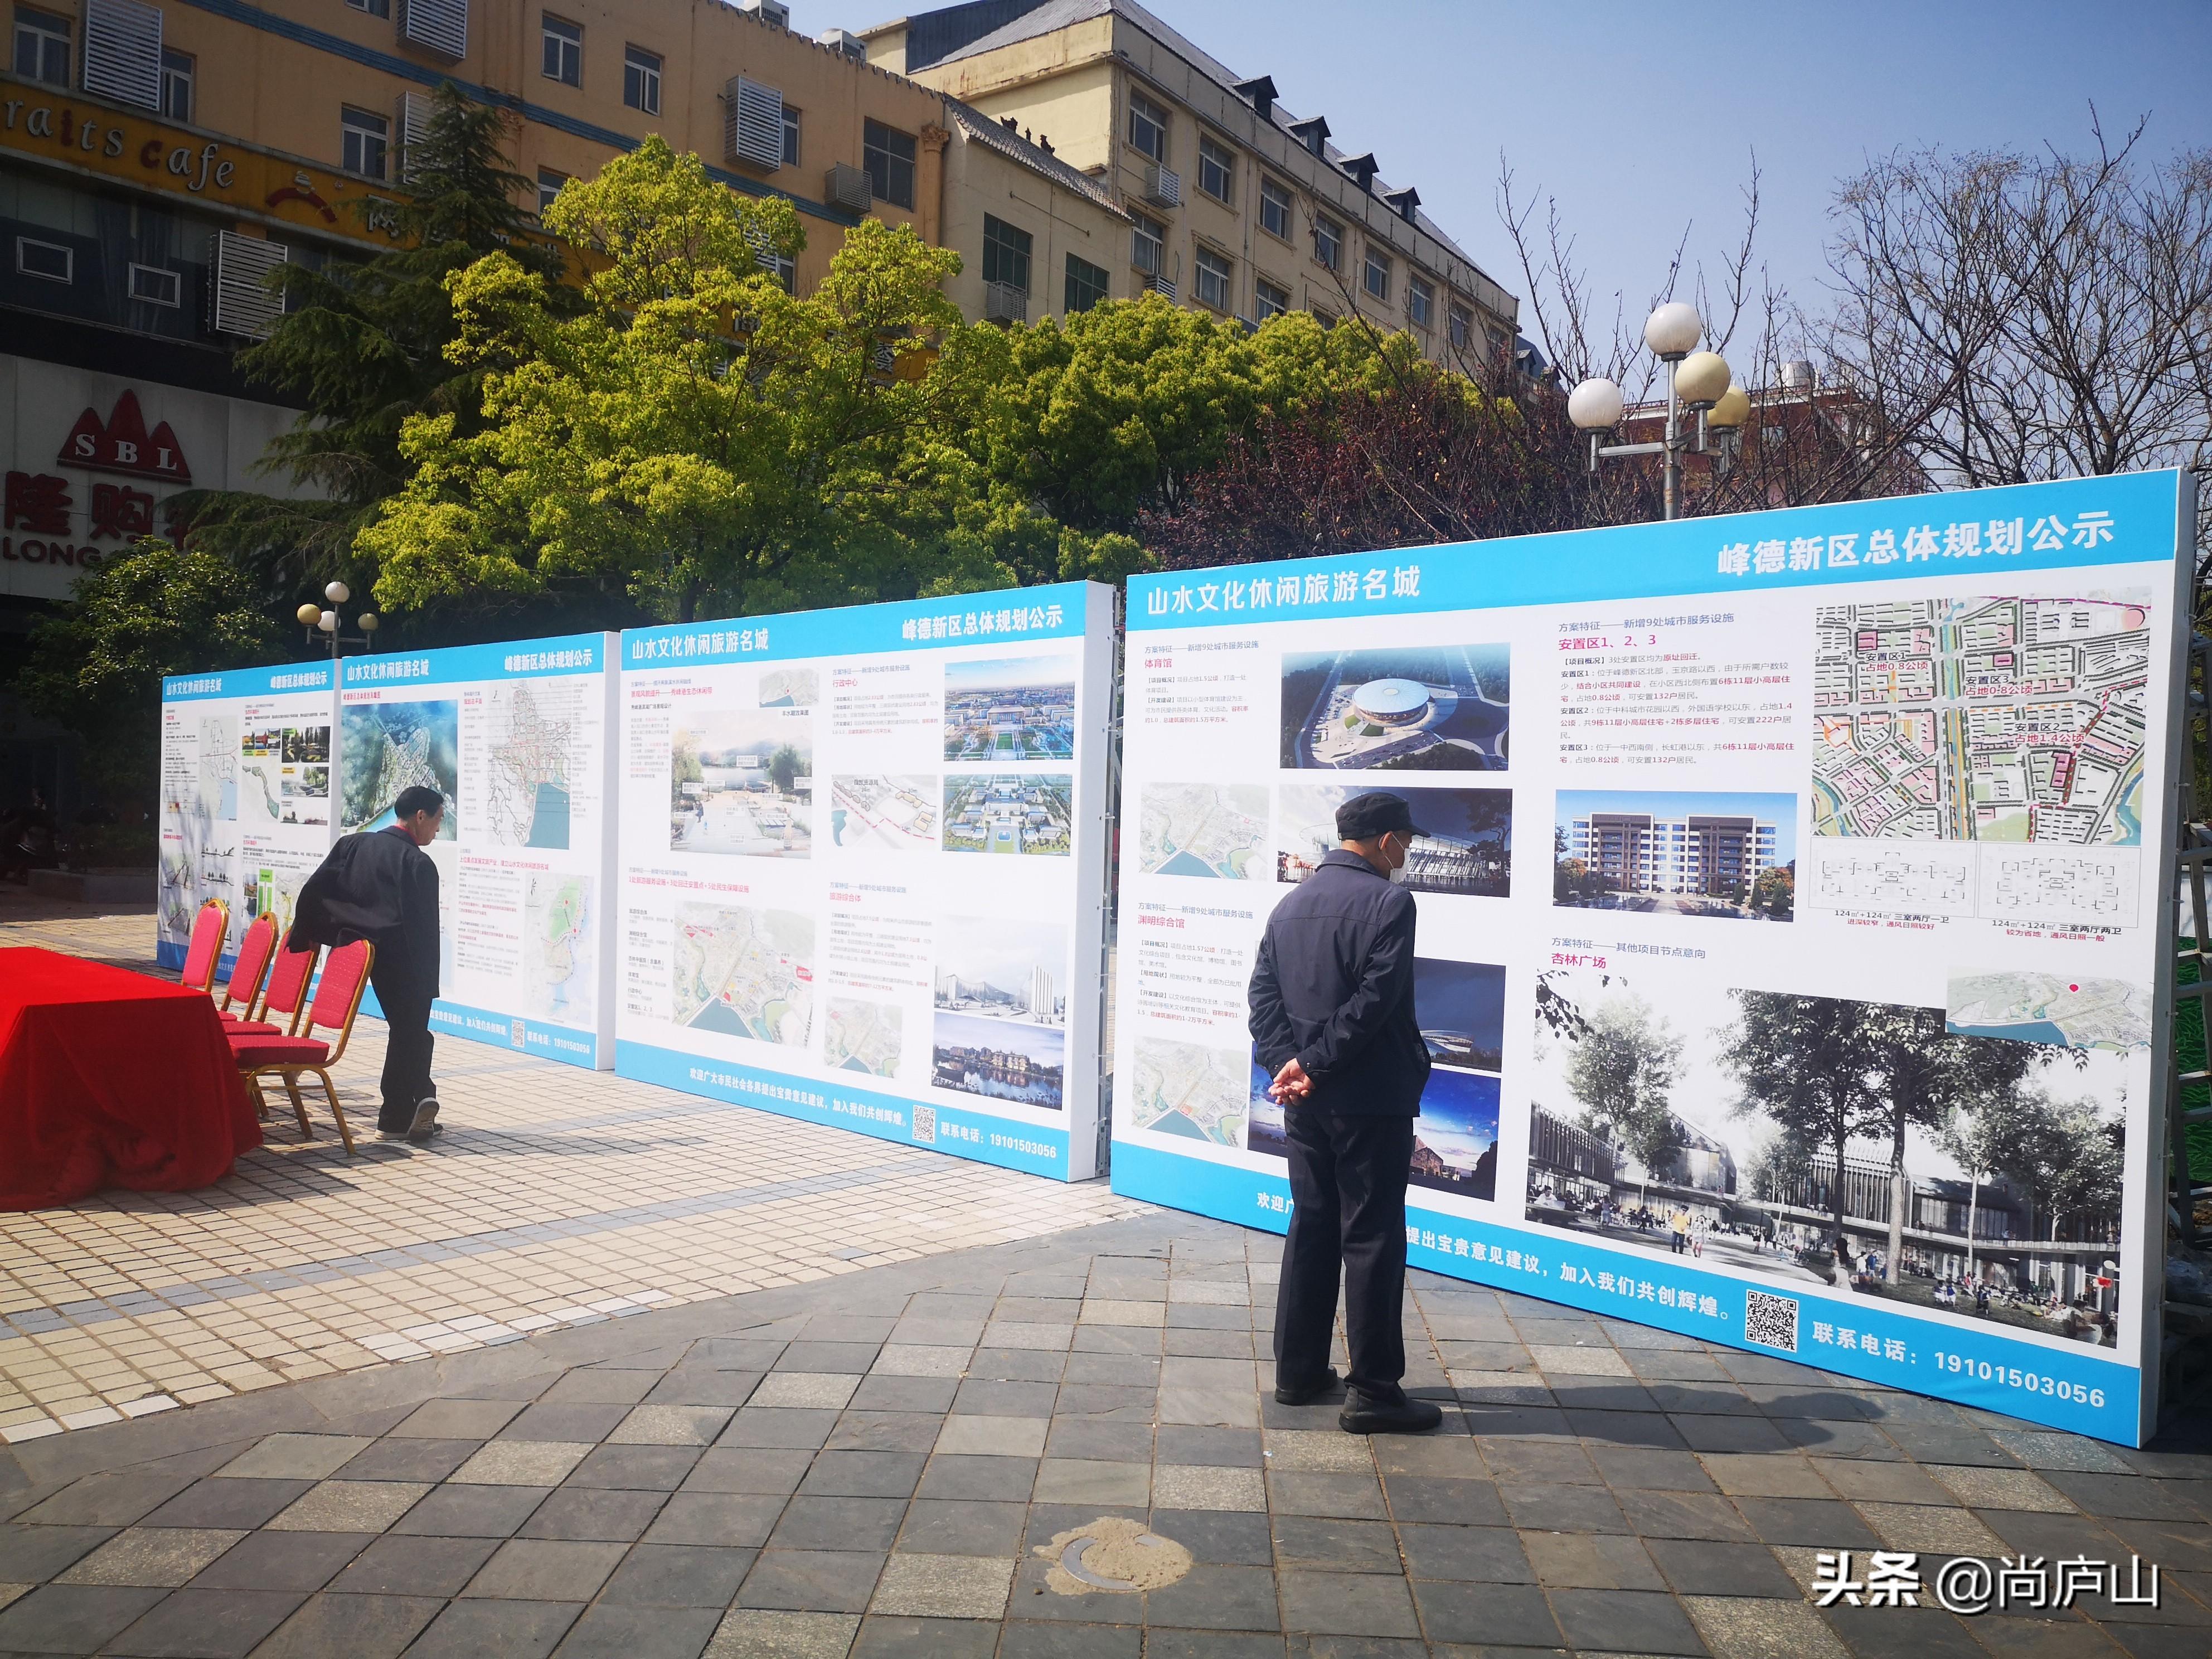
1014, 709
391, 746
1982, 719
1465, 846
1413, 708
1184, 1089
1008, 813
887, 812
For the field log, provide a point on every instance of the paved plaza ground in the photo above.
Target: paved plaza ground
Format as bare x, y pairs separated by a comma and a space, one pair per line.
887, 1400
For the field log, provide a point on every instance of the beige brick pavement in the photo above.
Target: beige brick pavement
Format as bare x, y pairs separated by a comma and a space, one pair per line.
556, 1197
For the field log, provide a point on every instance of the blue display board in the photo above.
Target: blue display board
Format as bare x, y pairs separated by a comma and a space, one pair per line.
1792, 954
518, 736
863, 856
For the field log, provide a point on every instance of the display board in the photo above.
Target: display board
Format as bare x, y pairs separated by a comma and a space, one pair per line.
863, 868
245, 795
1784, 875
516, 736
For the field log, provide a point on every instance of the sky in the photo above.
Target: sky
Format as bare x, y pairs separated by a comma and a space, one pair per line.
1673, 100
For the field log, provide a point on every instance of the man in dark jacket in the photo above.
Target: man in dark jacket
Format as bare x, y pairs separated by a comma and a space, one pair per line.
1332, 1020
381, 886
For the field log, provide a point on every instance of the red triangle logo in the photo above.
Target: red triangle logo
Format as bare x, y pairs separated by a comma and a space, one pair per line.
122, 445
165, 455
82, 447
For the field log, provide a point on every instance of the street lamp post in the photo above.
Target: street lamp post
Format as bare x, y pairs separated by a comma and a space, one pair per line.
316, 619
1697, 383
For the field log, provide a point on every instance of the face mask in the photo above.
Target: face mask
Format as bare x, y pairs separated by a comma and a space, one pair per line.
1398, 875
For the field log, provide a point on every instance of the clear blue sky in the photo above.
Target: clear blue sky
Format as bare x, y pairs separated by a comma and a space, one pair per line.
1675, 97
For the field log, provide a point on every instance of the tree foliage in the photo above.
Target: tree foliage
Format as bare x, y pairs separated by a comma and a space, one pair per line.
1623, 1069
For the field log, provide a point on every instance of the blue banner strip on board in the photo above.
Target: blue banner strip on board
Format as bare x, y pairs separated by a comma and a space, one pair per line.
1012, 615
284, 679
1961, 1359
511, 659
1992, 534
977, 1135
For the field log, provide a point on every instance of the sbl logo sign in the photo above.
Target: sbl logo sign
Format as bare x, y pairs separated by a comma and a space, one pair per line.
122, 444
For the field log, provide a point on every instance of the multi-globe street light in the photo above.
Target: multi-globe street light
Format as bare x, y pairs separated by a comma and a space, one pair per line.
316, 619
1697, 383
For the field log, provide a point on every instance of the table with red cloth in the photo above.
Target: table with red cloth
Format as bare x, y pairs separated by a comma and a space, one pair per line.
111, 1079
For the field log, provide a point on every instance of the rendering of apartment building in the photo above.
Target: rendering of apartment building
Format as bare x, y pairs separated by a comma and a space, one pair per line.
1236, 205
1641, 853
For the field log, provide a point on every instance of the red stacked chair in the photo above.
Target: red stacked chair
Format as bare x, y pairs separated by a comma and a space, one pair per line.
255, 946
337, 999
210, 928
286, 993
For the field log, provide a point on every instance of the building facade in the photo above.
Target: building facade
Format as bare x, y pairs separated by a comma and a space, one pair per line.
1234, 205
1709, 854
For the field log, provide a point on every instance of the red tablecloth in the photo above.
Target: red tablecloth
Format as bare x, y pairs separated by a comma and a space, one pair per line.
110, 1079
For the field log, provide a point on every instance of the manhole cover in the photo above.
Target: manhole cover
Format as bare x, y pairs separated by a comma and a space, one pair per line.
1114, 1554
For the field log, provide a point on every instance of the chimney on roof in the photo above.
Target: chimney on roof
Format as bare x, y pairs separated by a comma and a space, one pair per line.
1313, 133
1363, 169
1406, 200
1260, 93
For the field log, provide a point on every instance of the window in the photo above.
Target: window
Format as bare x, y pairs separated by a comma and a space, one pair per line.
564, 50
177, 85
1462, 324
549, 187
1377, 276
157, 285
1328, 241
1268, 300
49, 260
641, 80
888, 154
1213, 279
790, 137
1326, 319
781, 266
367, 138
374, 8
1216, 169
1420, 301
1086, 284
1005, 254
1275, 209
1148, 127
42, 47
1145, 246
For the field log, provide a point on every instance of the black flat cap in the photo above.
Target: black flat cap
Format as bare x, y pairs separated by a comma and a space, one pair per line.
1375, 813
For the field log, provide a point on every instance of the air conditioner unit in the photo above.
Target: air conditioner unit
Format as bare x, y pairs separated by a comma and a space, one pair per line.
441, 25
848, 187
244, 302
752, 123
768, 11
411, 124
1162, 186
844, 43
1004, 303
123, 52
1162, 286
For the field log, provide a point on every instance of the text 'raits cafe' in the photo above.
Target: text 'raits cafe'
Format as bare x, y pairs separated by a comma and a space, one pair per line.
38, 504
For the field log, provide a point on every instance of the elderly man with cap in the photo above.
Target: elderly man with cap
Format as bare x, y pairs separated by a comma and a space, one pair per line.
1332, 1020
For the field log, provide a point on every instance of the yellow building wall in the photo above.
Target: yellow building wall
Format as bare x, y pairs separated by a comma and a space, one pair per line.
980, 181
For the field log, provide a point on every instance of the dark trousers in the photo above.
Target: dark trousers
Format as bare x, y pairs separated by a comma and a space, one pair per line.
1348, 1190
407, 1053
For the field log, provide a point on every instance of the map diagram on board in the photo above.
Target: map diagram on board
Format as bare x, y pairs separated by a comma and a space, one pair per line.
1982, 719
557, 940
392, 746
747, 972
1203, 830
1184, 1090
862, 1036
218, 778
528, 762
2038, 1008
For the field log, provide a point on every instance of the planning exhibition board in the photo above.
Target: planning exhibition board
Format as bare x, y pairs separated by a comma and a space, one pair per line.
864, 868
245, 795
516, 737
1784, 877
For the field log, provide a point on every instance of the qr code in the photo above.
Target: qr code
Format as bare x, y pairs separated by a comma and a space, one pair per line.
1770, 1321
925, 1129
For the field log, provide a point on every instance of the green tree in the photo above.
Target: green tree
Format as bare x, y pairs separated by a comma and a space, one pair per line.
1775, 893
784, 768
151, 609
1623, 1070
1810, 1065
2062, 1154
363, 349
695, 433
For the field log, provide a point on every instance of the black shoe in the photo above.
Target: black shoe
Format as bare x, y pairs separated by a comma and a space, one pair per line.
1362, 1415
426, 1121
1328, 1384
